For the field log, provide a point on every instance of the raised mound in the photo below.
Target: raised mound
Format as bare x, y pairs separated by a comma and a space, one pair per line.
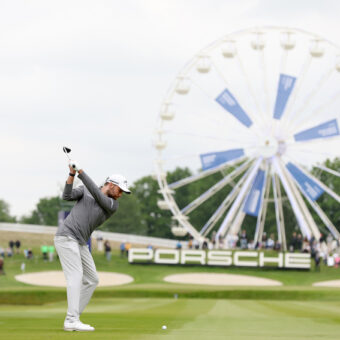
57, 279
331, 283
220, 279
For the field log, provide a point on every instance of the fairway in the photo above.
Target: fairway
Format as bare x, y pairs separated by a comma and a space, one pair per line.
138, 310
185, 319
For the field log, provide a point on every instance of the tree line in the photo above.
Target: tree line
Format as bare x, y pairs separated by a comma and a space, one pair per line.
139, 213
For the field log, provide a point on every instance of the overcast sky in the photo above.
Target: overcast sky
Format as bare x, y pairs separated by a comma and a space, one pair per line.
92, 75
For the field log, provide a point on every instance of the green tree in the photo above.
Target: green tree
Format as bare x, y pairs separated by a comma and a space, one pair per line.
46, 212
157, 222
4, 212
127, 219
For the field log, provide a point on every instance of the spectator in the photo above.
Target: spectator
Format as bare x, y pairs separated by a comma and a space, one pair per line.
329, 242
251, 245
23, 267
317, 260
149, 247
299, 242
2, 263
2, 252
277, 246
9, 252
270, 242
243, 240
107, 248
195, 244
205, 244
306, 245
17, 245
30, 254
44, 250
11, 245
51, 250
293, 242
127, 248
213, 239
99, 242
122, 249
179, 245
190, 243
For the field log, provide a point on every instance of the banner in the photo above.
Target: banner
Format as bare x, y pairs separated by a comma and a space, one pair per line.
222, 258
284, 90
308, 185
213, 159
253, 200
325, 130
229, 103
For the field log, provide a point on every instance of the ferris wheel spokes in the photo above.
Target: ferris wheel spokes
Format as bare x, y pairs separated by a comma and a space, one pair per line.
251, 92
263, 205
215, 188
312, 95
250, 88
289, 189
280, 224
205, 173
317, 182
324, 130
330, 171
300, 79
330, 226
224, 205
295, 187
244, 120
232, 211
319, 110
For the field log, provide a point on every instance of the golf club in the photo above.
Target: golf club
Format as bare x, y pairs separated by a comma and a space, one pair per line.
67, 151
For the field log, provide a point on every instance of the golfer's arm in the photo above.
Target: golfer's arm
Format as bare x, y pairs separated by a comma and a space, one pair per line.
70, 194
107, 203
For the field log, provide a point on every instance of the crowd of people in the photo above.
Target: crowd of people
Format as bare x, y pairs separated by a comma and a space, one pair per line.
326, 248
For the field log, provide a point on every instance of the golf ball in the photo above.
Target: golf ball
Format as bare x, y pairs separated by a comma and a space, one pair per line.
164, 327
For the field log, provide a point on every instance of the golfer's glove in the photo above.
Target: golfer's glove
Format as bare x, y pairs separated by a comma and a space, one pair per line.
75, 165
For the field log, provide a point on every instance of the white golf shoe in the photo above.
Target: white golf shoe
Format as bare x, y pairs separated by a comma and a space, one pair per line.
77, 326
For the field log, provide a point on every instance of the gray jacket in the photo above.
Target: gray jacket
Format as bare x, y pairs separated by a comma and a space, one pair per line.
90, 211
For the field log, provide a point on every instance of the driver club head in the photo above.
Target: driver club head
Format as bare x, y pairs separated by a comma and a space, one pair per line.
67, 151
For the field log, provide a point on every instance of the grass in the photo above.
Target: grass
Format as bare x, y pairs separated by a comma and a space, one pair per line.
127, 318
138, 310
148, 282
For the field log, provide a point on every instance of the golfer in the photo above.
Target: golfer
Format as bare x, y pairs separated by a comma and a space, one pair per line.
94, 205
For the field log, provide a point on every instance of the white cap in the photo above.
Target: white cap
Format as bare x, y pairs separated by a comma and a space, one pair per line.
120, 181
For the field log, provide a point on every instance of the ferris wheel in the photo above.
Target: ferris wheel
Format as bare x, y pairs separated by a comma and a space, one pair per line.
261, 107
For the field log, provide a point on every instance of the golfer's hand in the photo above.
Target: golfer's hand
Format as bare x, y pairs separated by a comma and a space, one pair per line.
74, 165
72, 171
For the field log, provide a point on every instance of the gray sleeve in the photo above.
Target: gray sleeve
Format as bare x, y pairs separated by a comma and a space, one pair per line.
70, 194
108, 204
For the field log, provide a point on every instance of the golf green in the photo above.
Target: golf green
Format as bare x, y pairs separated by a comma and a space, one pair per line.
143, 318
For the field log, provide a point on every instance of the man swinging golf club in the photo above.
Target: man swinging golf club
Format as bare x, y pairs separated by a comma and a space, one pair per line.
94, 206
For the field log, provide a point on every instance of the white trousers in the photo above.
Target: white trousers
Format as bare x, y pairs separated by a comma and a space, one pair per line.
80, 273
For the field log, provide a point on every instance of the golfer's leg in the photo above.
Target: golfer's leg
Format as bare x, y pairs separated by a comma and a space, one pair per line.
69, 255
90, 278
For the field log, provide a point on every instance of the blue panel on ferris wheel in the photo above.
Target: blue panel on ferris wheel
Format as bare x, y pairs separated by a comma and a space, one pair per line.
308, 185
285, 88
214, 159
325, 130
253, 201
229, 103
